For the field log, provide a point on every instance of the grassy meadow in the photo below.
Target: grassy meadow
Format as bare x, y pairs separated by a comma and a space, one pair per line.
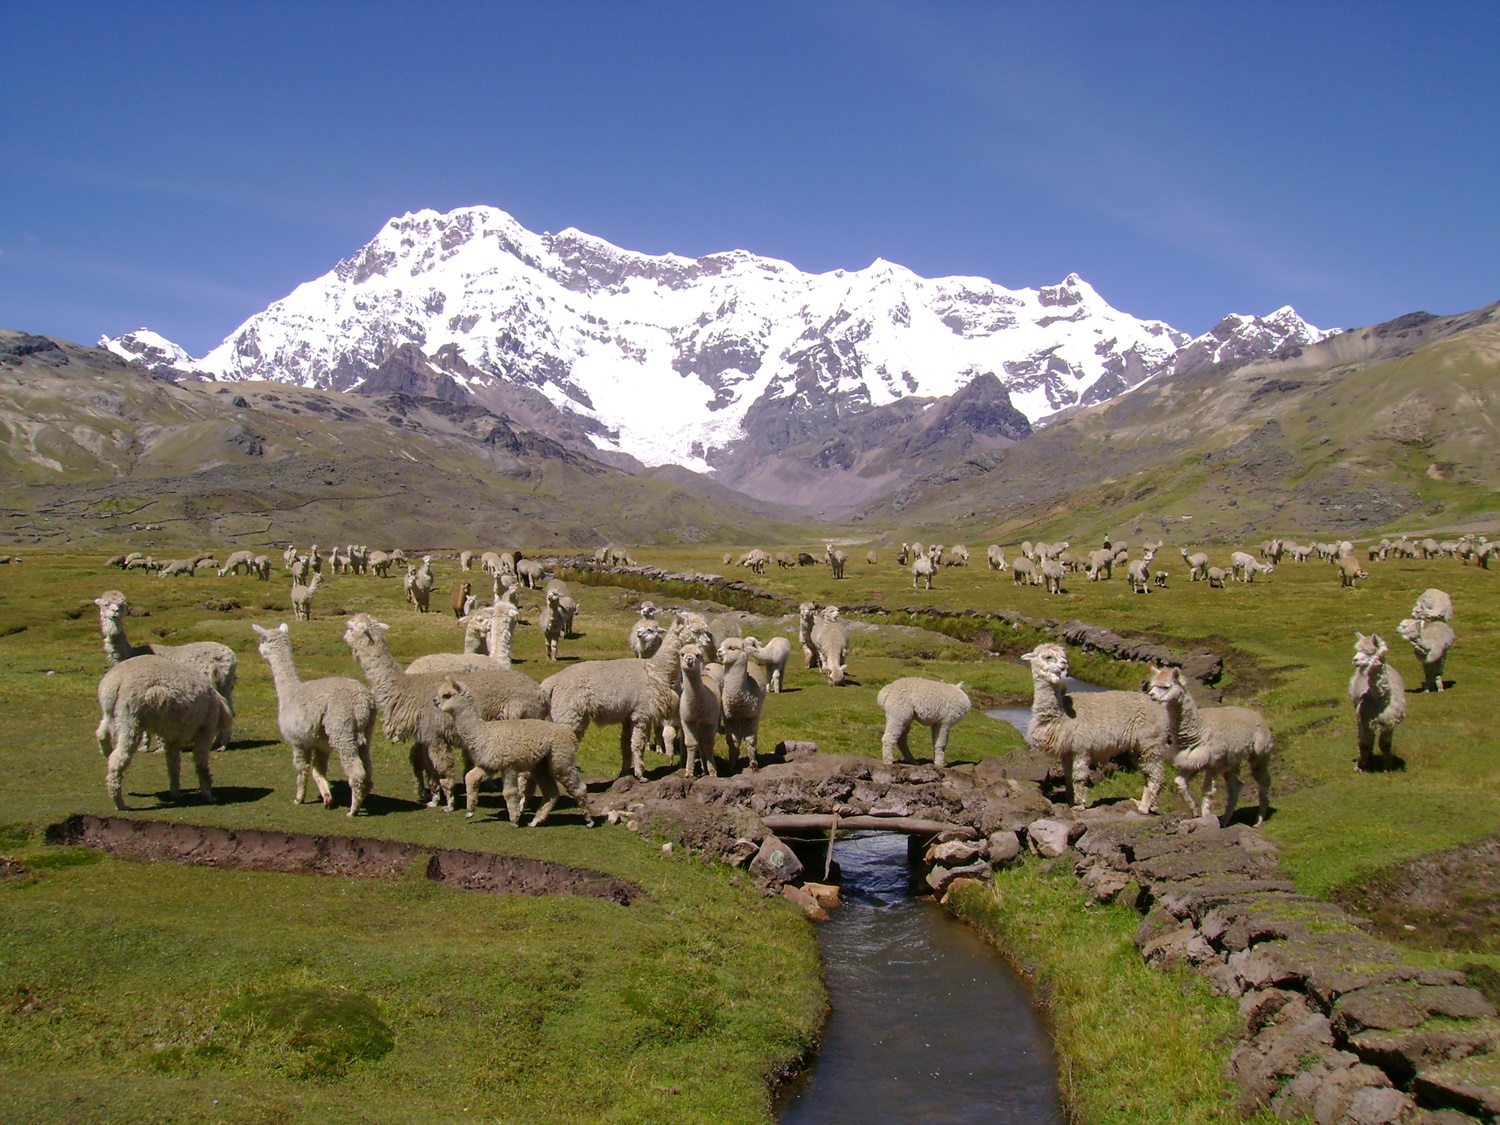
133, 992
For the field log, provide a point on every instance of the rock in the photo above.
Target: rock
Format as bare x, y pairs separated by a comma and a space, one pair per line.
741, 853
953, 853
1378, 1105
1470, 1085
1260, 968
1004, 847
940, 878
1295, 1098
1445, 1117
805, 902
791, 751
827, 897
1388, 1007
1401, 1054
1221, 979
1173, 947
1261, 1065
776, 862
1336, 1095
1049, 838
1104, 883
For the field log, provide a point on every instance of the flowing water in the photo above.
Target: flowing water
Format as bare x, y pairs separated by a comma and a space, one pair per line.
929, 1024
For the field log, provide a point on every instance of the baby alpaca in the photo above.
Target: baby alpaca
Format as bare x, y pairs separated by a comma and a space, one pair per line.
522, 751
317, 716
937, 706
774, 655
1212, 743
1379, 697
302, 597
698, 712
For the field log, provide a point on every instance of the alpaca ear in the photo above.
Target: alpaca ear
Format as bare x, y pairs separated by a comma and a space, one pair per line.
1028, 656
1358, 635
259, 632
283, 627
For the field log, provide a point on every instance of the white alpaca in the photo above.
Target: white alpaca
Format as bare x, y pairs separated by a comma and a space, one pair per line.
1379, 697
152, 695
938, 706
1212, 744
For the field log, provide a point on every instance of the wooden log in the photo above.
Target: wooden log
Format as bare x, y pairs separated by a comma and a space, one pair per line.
812, 822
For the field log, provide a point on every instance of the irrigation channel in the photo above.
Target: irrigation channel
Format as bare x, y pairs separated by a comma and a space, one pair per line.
929, 1024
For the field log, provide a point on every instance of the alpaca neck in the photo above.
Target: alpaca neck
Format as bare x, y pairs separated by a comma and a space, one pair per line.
466, 719
283, 669
1184, 720
380, 666
663, 667
117, 646
1048, 700
502, 629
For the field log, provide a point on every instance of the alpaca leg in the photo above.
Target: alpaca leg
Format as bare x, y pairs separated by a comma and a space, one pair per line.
572, 783
893, 736
1366, 749
300, 766
1231, 794
201, 750
940, 745
637, 748
472, 781
732, 750
174, 771
320, 776
1387, 737
420, 772
126, 737
689, 752
1185, 787
903, 744
748, 741
1155, 769
626, 763
549, 795
515, 799
1260, 769
1081, 781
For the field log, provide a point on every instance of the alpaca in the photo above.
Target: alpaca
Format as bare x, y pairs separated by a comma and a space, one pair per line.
302, 597
153, 695
317, 716
1430, 640
1084, 730
1213, 743
1379, 697
938, 706
698, 712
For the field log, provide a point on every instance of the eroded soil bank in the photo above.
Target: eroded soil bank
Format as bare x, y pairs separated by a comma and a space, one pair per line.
350, 856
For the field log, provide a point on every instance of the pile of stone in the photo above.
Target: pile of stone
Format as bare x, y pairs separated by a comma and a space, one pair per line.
1338, 1025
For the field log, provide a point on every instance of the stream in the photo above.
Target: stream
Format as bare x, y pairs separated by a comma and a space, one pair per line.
929, 1024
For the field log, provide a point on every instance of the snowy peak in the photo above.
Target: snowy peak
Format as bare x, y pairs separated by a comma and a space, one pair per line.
150, 350
675, 359
1238, 338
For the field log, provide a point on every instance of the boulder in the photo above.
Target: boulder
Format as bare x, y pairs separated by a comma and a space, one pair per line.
940, 878
827, 897
1004, 847
1049, 838
1378, 1105
775, 861
953, 853
1470, 1085
1388, 1007
1401, 1054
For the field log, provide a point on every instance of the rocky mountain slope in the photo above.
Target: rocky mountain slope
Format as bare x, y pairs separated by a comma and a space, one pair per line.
712, 363
1391, 426
93, 447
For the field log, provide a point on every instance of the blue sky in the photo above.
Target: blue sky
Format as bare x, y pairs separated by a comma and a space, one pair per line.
180, 166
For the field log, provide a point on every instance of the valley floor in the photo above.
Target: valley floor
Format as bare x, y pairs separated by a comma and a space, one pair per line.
136, 992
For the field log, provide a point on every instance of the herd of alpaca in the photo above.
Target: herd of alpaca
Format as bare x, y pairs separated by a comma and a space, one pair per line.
693, 679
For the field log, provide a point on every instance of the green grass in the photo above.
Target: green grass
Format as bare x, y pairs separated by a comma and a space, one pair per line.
141, 992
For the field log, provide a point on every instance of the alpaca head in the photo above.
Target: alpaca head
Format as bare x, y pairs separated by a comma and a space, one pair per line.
112, 606
451, 695
1049, 662
1369, 652
690, 659
1410, 628
271, 639
1165, 685
364, 627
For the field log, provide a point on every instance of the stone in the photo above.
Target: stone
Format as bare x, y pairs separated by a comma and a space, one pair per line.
1004, 847
939, 878
1049, 838
1260, 967
1336, 1093
1194, 899
1445, 1117
1176, 946
1295, 1098
1388, 1007
1470, 1085
1104, 883
775, 861
741, 853
1222, 980
805, 902
1378, 1105
953, 853
827, 897
1401, 1054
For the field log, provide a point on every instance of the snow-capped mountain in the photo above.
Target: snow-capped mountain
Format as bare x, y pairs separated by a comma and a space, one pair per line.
1238, 338
668, 358
148, 349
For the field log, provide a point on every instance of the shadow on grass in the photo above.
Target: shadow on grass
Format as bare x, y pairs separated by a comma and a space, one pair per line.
223, 795
252, 743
